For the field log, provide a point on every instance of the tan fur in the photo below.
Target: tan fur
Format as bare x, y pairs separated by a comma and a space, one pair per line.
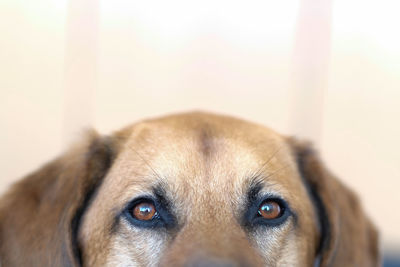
68, 212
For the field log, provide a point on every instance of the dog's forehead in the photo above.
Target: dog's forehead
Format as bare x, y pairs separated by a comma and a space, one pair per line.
203, 135
201, 155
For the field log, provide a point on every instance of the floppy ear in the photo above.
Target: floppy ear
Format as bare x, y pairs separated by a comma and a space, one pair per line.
347, 237
40, 215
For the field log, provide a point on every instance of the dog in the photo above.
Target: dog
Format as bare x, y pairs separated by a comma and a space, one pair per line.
192, 189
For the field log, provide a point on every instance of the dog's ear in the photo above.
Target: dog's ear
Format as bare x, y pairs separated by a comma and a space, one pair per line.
347, 237
40, 215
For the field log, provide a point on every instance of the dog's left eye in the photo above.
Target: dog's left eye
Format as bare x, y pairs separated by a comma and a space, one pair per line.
270, 210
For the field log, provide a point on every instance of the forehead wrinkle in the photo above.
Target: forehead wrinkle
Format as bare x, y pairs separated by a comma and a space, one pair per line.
205, 142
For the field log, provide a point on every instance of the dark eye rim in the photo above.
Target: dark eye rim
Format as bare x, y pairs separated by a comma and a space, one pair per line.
161, 219
252, 217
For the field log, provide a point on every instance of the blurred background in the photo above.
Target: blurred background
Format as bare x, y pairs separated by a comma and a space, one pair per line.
323, 70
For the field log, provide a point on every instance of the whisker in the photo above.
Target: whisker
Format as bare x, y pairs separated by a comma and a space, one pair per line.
258, 172
146, 162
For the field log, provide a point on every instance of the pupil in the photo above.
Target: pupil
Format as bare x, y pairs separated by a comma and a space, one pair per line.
145, 209
268, 208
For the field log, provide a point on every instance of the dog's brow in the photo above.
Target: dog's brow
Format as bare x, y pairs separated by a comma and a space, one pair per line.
254, 187
159, 192
257, 182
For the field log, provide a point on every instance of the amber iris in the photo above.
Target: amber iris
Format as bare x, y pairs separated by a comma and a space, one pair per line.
270, 210
144, 211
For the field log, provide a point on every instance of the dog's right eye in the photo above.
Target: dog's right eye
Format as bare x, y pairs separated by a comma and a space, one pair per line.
144, 211
147, 212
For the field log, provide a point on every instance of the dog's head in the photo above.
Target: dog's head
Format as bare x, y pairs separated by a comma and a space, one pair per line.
186, 190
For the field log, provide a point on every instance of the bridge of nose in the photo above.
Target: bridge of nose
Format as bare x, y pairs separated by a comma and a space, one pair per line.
209, 261
211, 243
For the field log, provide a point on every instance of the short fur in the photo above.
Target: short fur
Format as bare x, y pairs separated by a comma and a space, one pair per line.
206, 168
